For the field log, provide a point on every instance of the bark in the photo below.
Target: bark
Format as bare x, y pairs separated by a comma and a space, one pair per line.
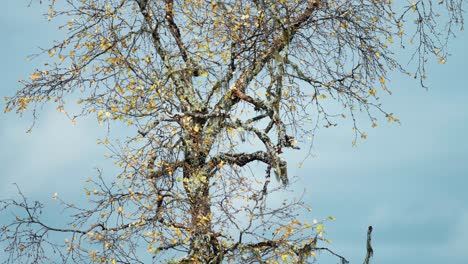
204, 246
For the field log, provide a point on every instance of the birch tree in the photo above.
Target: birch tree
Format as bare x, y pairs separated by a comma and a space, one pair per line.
214, 92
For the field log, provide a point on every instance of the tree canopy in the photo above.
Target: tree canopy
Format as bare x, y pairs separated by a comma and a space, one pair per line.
214, 90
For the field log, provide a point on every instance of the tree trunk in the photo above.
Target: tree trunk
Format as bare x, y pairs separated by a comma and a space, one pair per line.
204, 246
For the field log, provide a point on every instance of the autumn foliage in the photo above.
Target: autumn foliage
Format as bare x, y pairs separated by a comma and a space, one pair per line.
215, 92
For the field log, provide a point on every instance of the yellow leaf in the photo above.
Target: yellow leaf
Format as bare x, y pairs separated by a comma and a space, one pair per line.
382, 79
51, 52
400, 33
441, 60
35, 76
390, 39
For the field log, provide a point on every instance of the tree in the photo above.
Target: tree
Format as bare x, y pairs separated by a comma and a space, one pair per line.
213, 89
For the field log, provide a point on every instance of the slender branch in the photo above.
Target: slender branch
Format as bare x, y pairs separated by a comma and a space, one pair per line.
241, 159
175, 32
240, 85
184, 90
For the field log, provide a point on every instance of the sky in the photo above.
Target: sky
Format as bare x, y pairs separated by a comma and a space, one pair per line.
407, 180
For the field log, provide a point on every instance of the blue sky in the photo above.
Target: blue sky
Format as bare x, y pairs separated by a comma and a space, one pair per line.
409, 181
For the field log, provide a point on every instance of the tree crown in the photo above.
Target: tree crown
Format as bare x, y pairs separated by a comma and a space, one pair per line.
203, 83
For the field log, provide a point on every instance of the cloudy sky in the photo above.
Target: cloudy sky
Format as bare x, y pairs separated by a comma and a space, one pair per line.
409, 181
